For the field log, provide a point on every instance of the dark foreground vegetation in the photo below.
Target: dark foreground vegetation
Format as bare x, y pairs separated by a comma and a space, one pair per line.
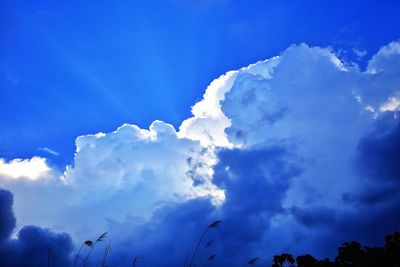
350, 254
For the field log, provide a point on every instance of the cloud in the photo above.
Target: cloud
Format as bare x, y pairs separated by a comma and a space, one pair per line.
359, 53
247, 177
128, 172
295, 153
386, 59
142, 160
393, 104
8, 220
209, 122
31, 246
377, 163
49, 150
33, 169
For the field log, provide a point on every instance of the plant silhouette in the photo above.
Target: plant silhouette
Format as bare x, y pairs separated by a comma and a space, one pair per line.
350, 254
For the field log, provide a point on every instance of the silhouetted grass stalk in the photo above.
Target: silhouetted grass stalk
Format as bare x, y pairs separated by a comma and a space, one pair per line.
106, 250
210, 259
87, 243
48, 257
203, 257
136, 260
215, 224
100, 238
253, 261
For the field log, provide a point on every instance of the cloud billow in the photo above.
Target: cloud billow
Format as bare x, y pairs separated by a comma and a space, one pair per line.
247, 178
297, 153
32, 244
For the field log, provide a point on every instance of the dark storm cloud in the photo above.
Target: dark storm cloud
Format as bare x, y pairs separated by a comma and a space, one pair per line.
379, 156
373, 205
366, 224
31, 247
7, 219
314, 218
377, 199
168, 239
255, 182
378, 164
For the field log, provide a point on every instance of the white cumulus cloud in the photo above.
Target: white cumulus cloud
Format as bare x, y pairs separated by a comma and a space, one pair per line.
33, 169
154, 162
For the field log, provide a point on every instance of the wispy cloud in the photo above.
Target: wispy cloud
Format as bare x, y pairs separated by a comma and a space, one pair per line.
49, 150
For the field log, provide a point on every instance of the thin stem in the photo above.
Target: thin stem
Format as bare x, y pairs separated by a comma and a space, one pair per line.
106, 250
197, 247
77, 255
203, 258
90, 252
136, 260
48, 258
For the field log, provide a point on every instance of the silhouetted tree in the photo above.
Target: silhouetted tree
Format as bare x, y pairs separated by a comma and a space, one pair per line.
307, 261
375, 257
326, 263
281, 260
351, 254
392, 249
276, 261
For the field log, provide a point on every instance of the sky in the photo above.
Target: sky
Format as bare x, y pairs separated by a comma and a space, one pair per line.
151, 119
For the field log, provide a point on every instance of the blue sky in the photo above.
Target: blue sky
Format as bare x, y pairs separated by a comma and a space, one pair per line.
74, 68
151, 119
